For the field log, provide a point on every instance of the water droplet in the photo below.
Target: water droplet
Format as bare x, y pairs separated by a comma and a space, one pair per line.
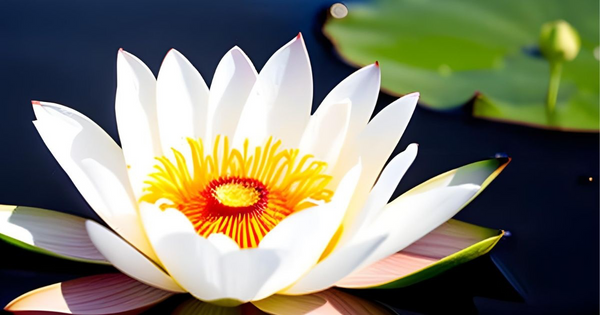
338, 10
597, 53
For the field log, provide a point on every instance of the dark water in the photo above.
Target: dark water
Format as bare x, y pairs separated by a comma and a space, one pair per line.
64, 51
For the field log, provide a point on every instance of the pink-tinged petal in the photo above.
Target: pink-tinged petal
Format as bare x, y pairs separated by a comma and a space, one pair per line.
334, 267
280, 102
137, 122
233, 80
451, 244
450, 238
93, 295
48, 232
323, 303
414, 217
422, 209
95, 164
181, 102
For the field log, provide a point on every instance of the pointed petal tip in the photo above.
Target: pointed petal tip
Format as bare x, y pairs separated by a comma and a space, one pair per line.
299, 36
376, 63
120, 52
123, 53
236, 51
36, 103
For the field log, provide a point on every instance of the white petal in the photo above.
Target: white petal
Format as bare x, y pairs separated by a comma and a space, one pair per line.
244, 272
362, 89
326, 131
182, 101
187, 257
95, 164
135, 107
306, 235
223, 243
280, 102
128, 260
409, 218
221, 272
335, 267
201, 268
53, 232
234, 78
374, 146
382, 191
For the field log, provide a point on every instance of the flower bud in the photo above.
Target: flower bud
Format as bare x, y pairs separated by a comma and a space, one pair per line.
559, 41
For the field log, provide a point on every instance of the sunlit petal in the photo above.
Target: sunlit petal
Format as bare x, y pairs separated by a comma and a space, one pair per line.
280, 102
135, 108
95, 164
182, 101
234, 78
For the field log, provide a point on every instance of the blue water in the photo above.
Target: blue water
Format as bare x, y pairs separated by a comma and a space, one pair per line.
64, 51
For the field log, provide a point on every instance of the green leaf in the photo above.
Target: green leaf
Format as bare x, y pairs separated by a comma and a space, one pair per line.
48, 232
455, 50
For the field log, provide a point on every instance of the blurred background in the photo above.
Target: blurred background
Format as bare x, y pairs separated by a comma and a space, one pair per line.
483, 80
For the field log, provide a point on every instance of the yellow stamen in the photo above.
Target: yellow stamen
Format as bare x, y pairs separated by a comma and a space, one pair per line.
236, 195
241, 193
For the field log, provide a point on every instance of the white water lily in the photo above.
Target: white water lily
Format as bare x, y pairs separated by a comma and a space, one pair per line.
236, 193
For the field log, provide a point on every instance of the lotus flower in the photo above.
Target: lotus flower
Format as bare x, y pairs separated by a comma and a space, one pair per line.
238, 194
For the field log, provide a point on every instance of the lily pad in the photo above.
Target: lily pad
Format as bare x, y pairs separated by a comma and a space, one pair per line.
454, 51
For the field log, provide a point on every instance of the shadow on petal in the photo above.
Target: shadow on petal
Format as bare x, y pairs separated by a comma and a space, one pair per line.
94, 295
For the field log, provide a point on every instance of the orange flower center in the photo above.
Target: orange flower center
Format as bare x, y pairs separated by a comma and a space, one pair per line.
241, 193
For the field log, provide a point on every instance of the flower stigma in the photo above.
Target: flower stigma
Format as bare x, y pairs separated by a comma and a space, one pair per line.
241, 193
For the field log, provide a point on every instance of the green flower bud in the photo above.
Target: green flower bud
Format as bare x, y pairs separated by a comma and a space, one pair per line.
559, 41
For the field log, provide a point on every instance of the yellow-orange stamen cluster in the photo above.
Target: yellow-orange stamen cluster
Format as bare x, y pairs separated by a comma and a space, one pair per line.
241, 193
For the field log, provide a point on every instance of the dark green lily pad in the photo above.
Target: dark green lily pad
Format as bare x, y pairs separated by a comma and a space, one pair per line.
455, 50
